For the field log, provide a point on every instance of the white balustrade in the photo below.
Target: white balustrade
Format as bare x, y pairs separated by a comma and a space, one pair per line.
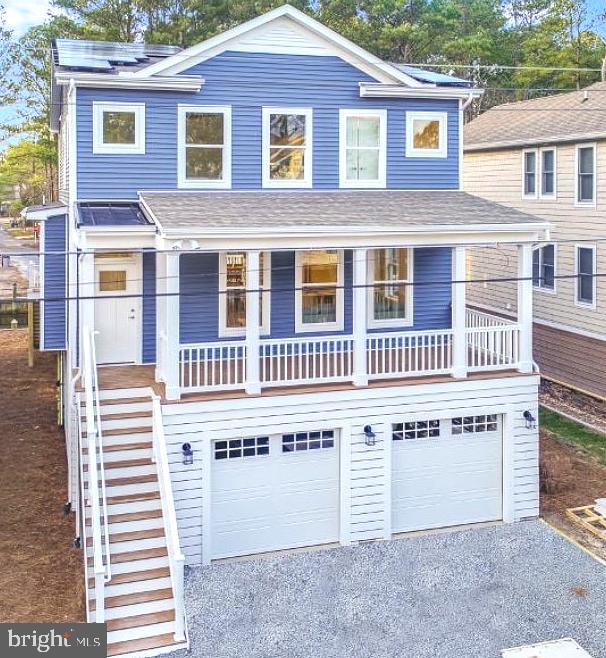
212, 366
493, 348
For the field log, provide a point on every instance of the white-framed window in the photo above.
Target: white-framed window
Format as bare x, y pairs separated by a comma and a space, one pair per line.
529, 177
238, 448
585, 270
287, 146
305, 441
232, 293
413, 430
585, 179
363, 148
118, 128
204, 146
426, 134
390, 273
319, 290
544, 267
548, 173
475, 424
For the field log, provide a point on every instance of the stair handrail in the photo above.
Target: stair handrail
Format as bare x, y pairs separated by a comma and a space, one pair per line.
176, 558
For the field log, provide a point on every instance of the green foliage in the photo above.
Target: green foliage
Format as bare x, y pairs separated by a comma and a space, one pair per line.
592, 443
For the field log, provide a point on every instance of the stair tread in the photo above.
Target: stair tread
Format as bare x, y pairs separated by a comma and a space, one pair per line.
132, 479
124, 430
128, 646
135, 535
135, 598
133, 498
135, 576
116, 401
140, 445
127, 463
140, 620
133, 556
126, 414
132, 516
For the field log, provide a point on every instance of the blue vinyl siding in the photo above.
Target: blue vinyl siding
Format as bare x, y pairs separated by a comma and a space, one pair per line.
247, 82
53, 315
149, 307
199, 301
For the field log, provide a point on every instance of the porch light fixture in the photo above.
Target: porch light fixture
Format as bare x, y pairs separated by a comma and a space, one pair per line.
370, 438
531, 421
188, 454
177, 245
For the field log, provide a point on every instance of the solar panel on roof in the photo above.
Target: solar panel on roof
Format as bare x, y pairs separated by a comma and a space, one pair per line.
431, 76
111, 214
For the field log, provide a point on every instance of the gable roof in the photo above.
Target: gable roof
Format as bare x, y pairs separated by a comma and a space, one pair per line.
572, 116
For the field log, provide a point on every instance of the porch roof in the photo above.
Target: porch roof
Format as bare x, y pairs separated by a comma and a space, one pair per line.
357, 211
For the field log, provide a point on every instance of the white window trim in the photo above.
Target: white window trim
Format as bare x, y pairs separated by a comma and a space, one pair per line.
411, 150
381, 181
553, 194
408, 321
200, 183
307, 181
537, 178
305, 328
224, 330
99, 146
593, 305
548, 291
593, 202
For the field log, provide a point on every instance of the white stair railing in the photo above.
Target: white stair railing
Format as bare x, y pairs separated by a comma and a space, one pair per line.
176, 559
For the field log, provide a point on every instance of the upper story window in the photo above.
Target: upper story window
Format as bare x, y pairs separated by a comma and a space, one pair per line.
287, 147
119, 128
204, 146
362, 148
548, 173
319, 290
390, 272
530, 173
232, 293
426, 134
585, 180
585, 260
543, 267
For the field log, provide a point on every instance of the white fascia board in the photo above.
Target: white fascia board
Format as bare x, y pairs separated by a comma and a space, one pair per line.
41, 215
374, 90
189, 57
189, 83
116, 240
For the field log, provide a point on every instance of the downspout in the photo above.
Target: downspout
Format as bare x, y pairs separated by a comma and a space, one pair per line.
467, 102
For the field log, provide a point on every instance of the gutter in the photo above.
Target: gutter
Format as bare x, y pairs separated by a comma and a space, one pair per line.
192, 83
378, 90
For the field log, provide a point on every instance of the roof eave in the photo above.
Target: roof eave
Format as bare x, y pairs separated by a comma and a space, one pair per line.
380, 90
186, 83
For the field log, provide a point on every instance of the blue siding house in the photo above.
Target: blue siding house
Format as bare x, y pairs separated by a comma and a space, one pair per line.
257, 277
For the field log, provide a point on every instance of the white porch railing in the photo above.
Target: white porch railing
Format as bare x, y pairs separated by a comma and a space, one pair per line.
212, 366
176, 559
493, 348
475, 319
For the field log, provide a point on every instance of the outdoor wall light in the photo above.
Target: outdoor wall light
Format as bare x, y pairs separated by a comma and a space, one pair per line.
177, 245
370, 438
531, 421
188, 454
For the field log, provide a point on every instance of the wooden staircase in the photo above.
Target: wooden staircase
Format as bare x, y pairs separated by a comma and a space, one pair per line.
139, 603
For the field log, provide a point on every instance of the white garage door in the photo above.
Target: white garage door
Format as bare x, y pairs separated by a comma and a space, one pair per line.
271, 493
447, 472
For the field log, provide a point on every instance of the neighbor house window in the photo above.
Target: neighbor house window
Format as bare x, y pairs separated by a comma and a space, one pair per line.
543, 267
530, 173
204, 146
586, 279
319, 290
362, 145
390, 295
548, 172
426, 135
232, 293
585, 174
119, 128
287, 147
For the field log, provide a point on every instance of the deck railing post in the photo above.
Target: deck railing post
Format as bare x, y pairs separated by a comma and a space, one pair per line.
360, 300
171, 365
525, 306
253, 287
459, 340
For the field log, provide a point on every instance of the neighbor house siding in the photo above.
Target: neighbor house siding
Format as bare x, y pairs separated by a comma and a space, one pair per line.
54, 277
149, 307
247, 82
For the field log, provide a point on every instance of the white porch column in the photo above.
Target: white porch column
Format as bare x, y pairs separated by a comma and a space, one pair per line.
360, 298
459, 341
253, 263
525, 306
171, 328
160, 317
87, 288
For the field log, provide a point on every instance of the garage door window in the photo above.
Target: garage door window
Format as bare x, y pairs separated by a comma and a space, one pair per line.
420, 429
238, 448
473, 424
308, 441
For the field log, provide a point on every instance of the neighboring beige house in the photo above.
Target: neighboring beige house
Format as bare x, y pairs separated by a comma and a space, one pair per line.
547, 157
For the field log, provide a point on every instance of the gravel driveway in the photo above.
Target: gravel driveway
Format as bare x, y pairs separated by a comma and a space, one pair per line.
464, 594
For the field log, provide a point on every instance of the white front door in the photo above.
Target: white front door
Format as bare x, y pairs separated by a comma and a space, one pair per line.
274, 492
447, 472
118, 309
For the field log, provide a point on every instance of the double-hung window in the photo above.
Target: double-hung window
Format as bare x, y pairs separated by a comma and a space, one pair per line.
543, 267
362, 148
585, 291
390, 294
287, 147
426, 134
585, 178
204, 150
548, 174
232, 293
530, 173
119, 128
319, 290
